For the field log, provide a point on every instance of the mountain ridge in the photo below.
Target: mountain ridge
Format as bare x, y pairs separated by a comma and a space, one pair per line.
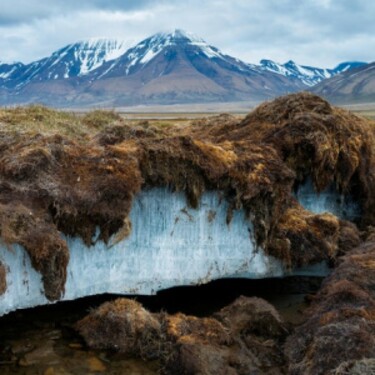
309, 75
165, 68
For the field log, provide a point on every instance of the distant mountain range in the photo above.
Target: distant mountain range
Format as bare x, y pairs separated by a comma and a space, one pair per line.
354, 85
308, 75
166, 68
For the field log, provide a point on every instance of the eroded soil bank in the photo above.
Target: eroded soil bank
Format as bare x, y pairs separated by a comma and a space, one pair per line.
59, 186
84, 185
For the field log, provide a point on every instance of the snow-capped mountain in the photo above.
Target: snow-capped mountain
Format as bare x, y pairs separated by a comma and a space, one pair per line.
139, 56
309, 75
178, 66
175, 67
73, 60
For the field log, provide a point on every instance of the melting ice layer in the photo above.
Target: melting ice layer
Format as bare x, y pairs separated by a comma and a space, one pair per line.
169, 245
329, 200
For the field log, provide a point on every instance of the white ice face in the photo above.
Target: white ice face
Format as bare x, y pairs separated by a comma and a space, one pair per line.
327, 201
169, 245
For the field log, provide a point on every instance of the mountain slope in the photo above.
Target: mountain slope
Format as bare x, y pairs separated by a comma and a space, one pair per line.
8, 73
356, 85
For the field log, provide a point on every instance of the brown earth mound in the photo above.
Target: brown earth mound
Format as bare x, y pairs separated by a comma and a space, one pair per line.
122, 325
51, 183
191, 345
338, 336
264, 320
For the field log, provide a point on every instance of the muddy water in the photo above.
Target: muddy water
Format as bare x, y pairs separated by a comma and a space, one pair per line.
43, 341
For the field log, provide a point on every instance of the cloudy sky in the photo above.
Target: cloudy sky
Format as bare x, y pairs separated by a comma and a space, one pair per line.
313, 32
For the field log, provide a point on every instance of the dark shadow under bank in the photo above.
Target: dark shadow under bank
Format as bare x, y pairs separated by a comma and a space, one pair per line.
205, 299
200, 300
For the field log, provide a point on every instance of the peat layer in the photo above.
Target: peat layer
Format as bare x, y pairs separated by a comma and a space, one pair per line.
73, 184
230, 342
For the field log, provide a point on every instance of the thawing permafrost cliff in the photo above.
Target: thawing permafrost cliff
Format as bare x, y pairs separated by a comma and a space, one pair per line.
139, 209
181, 246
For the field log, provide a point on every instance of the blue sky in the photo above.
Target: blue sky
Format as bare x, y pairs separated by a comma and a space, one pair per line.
313, 32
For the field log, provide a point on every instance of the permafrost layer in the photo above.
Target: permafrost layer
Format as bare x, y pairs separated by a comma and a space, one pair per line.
170, 244
328, 200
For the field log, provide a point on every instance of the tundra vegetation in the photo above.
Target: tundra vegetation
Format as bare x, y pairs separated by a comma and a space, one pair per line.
68, 173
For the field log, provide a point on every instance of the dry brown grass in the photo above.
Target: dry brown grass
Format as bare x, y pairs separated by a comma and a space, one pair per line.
37, 119
299, 231
191, 329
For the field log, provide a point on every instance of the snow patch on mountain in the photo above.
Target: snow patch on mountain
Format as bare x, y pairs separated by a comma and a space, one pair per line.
6, 74
91, 54
7, 70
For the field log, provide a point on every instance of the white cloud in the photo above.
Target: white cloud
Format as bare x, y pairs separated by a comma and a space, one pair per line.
316, 32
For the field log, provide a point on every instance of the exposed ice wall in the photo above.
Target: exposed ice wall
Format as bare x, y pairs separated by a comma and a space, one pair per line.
328, 200
170, 244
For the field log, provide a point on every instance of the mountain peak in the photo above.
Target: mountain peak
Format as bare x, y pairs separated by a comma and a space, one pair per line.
149, 48
177, 36
182, 34
290, 63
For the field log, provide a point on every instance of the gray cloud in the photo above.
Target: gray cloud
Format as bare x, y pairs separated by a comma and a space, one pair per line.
24, 11
316, 32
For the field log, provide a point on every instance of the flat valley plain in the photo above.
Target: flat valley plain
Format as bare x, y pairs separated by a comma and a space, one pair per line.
195, 111
85, 122
365, 109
